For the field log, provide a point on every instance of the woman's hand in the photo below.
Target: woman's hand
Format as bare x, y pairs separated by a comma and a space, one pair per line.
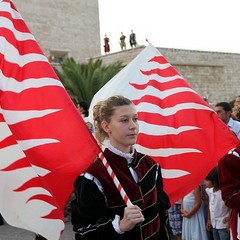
131, 217
185, 214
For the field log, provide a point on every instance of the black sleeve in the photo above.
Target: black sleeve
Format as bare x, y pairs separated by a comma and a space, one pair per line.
89, 212
163, 206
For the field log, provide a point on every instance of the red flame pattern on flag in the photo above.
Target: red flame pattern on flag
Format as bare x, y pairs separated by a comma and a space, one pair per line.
176, 126
45, 143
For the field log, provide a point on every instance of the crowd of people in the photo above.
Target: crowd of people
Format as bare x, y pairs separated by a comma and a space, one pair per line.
211, 210
122, 42
202, 214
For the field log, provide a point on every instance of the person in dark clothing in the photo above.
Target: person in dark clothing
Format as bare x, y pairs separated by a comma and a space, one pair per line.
132, 39
39, 237
83, 107
1, 220
98, 210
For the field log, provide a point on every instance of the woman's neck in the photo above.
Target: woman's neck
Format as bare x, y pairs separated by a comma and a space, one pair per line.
122, 148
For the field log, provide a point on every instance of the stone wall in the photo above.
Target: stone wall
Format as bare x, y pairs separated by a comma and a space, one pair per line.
214, 75
71, 29
65, 28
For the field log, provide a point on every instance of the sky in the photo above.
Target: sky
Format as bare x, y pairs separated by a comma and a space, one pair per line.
208, 25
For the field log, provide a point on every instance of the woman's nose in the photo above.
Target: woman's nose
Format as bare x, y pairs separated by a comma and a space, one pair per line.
133, 124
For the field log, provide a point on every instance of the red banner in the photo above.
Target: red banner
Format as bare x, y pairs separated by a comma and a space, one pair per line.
45, 144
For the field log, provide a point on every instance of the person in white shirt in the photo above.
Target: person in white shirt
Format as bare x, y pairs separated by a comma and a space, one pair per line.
224, 110
218, 214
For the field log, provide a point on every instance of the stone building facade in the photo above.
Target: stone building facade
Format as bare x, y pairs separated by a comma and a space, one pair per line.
72, 29
214, 75
63, 28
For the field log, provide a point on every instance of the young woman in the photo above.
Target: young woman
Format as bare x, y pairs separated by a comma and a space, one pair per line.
192, 209
218, 214
99, 212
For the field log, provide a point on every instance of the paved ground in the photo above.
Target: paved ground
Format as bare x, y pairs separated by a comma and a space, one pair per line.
8, 232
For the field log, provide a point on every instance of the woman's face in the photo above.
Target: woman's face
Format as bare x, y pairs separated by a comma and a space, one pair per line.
123, 128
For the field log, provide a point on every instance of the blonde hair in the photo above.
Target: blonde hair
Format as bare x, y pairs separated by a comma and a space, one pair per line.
236, 112
103, 111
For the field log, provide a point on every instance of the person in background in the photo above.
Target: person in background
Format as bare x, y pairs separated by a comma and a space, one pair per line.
218, 214
132, 39
192, 210
236, 109
106, 44
39, 237
98, 210
175, 220
229, 181
236, 112
224, 110
122, 41
1, 220
237, 101
205, 202
83, 107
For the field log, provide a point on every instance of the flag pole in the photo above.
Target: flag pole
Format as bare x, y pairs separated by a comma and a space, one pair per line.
115, 180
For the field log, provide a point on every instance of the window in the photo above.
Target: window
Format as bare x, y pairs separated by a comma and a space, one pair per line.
57, 56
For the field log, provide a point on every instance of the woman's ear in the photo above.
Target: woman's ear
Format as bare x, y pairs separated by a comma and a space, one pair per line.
105, 126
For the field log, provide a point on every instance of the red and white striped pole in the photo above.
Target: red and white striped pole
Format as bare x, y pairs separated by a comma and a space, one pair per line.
115, 180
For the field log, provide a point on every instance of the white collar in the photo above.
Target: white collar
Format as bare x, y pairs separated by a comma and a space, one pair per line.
128, 156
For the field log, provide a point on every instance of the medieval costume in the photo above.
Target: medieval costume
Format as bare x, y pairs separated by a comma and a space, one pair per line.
98, 202
229, 180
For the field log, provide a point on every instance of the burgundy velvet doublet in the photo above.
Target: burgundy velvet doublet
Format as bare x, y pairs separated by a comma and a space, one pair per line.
95, 207
143, 193
119, 166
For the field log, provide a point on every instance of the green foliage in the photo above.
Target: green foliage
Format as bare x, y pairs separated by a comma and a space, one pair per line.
82, 81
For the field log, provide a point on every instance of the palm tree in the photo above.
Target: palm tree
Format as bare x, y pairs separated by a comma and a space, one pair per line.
82, 81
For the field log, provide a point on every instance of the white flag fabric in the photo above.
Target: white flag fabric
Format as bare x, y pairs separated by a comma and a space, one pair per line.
44, 142
177, 127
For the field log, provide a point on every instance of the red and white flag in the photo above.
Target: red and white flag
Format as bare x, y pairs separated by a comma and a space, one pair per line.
177, 127
44, 142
